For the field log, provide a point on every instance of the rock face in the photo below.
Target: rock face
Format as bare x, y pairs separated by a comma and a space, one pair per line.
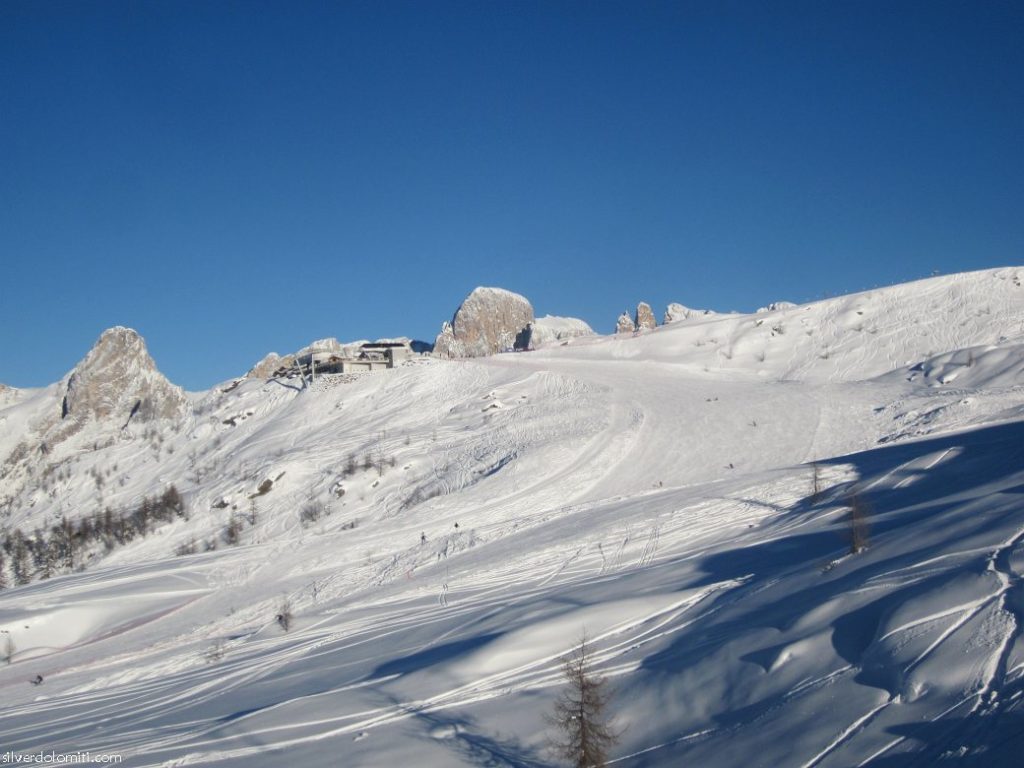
550, 329
490, 320
676, 312
269, 365
625, 324
645, 317
119, 380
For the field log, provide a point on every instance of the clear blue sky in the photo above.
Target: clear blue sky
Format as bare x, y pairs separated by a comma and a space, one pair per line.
232, 178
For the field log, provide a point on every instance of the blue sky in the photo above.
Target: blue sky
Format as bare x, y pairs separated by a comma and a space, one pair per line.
232, 178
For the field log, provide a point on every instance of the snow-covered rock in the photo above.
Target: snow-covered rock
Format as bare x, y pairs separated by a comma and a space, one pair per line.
550, 329
323, 345
488, 321
675, 312
446, 345
118, 380
625, 324
8, 394
645, 317
776, 306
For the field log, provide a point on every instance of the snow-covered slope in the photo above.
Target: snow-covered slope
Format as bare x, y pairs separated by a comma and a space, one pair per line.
465, 521
845, 339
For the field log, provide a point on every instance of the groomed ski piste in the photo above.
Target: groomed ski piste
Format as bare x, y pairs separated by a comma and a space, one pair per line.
655, 492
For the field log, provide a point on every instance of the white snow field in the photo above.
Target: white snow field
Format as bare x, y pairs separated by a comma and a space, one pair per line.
654, 491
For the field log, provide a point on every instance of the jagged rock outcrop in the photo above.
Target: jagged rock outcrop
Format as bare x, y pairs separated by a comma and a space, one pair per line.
118, 380
645, 317
269, 365
446, 345
490, 320
676, 312
7, 394
550, 329
625, 324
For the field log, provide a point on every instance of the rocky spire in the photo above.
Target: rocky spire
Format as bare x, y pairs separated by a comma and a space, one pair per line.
645, 317
119, 380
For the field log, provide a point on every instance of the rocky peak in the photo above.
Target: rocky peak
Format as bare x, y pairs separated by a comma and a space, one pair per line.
625, 324
489, 320
118, 379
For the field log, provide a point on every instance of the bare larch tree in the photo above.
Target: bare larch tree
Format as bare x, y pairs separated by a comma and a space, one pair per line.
584, 731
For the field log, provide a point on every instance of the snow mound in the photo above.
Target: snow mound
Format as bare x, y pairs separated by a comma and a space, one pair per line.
975, 367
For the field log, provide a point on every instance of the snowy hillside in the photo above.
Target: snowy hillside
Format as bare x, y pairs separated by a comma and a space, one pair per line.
442, 533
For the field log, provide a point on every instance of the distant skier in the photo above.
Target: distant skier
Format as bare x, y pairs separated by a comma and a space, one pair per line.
423, 538
37, 681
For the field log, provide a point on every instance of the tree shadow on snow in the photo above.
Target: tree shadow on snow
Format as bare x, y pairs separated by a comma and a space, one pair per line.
461, 735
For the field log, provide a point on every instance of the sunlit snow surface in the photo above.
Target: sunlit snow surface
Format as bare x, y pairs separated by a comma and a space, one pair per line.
654, 491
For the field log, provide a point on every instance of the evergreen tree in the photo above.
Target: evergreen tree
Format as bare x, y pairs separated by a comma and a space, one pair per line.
21, 568
172, 502
858, 525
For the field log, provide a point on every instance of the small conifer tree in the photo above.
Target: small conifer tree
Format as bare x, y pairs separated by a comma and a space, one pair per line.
284, 615
858, 525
